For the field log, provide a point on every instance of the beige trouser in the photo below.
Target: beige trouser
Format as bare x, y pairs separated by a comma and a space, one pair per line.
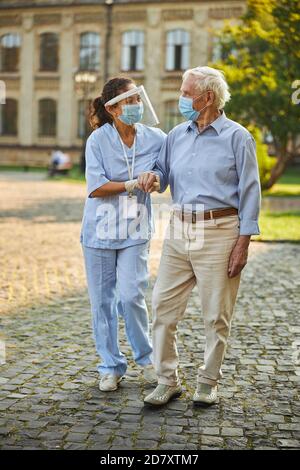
199, 257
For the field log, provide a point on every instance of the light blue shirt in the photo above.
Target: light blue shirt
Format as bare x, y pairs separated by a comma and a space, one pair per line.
216, 168
103, 224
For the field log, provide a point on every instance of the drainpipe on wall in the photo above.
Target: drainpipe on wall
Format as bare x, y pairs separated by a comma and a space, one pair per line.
109, 7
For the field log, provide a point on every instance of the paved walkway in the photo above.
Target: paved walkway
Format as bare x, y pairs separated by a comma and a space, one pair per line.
49, 396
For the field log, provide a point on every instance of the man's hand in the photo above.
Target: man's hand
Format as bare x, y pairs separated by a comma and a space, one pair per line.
239, 255
147, 182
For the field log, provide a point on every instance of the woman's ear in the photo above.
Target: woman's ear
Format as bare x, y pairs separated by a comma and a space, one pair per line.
109, 109
112, 110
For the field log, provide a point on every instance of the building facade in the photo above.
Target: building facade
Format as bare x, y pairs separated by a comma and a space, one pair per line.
50, 49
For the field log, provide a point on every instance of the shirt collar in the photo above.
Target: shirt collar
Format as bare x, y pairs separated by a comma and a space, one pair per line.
217, 124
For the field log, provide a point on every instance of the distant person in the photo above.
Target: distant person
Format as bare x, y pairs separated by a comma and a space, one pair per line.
60, 163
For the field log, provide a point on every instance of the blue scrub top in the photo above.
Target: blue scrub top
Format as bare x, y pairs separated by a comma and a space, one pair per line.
103, 224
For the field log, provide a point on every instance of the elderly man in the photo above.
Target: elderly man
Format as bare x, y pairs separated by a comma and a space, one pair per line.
210, 163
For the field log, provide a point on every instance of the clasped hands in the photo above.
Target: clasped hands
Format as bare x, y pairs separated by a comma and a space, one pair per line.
147, 182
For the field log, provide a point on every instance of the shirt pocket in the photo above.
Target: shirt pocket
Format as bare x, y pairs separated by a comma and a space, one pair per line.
219, 169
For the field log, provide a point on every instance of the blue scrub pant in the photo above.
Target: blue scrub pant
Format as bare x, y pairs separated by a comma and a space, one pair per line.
117, 280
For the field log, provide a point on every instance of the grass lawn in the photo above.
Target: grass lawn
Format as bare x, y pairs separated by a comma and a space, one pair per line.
74, 176
279, 226
22, 169
287, 186
282, 225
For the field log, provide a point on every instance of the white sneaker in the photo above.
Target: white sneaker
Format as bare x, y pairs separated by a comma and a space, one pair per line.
163, 394
149, 374
109, 382
205, 394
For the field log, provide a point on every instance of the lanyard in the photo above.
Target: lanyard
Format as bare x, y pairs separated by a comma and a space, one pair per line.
130, 170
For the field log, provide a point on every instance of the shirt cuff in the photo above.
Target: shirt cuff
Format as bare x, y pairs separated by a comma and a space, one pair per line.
249, 227
101, 181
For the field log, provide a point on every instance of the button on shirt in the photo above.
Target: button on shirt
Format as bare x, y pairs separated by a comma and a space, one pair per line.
103, 224
215, 168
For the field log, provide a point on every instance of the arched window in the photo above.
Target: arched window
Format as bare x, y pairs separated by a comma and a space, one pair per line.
178, 50
47, 117
89, 53
172, 115
49, 52
10, 52
132, 50
9, 117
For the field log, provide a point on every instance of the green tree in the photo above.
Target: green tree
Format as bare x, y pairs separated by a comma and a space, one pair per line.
265, 162
261, 61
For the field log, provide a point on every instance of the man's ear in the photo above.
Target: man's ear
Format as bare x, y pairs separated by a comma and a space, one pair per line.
211, 97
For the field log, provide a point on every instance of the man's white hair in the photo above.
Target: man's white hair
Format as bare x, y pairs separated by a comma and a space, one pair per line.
211, 79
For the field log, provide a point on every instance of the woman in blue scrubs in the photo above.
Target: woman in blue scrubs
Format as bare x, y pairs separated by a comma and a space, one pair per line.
117, 225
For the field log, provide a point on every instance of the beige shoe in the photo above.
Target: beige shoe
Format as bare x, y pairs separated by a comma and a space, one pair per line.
163, 394
149, 374
205, 394
109, 382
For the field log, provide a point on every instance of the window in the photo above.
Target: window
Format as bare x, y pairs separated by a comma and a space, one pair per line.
83, 124
9, 117
132, 51
178, 50
10, 52
47, 117
89, 54
172, 115
49, 52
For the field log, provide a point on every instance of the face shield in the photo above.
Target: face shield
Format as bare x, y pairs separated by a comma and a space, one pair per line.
135, 106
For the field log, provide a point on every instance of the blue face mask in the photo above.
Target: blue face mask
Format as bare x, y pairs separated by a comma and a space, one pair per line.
185, 106
132, 113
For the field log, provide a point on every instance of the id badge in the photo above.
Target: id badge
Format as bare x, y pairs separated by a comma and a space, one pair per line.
130, 207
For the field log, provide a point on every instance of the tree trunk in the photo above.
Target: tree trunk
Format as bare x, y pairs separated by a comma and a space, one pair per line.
284, 158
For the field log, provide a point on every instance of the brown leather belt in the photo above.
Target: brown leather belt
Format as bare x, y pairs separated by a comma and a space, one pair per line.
193, 217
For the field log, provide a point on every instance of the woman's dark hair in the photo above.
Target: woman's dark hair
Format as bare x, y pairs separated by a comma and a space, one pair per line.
114, 87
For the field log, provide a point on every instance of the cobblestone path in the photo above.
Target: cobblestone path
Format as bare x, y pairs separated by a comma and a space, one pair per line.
49, 396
